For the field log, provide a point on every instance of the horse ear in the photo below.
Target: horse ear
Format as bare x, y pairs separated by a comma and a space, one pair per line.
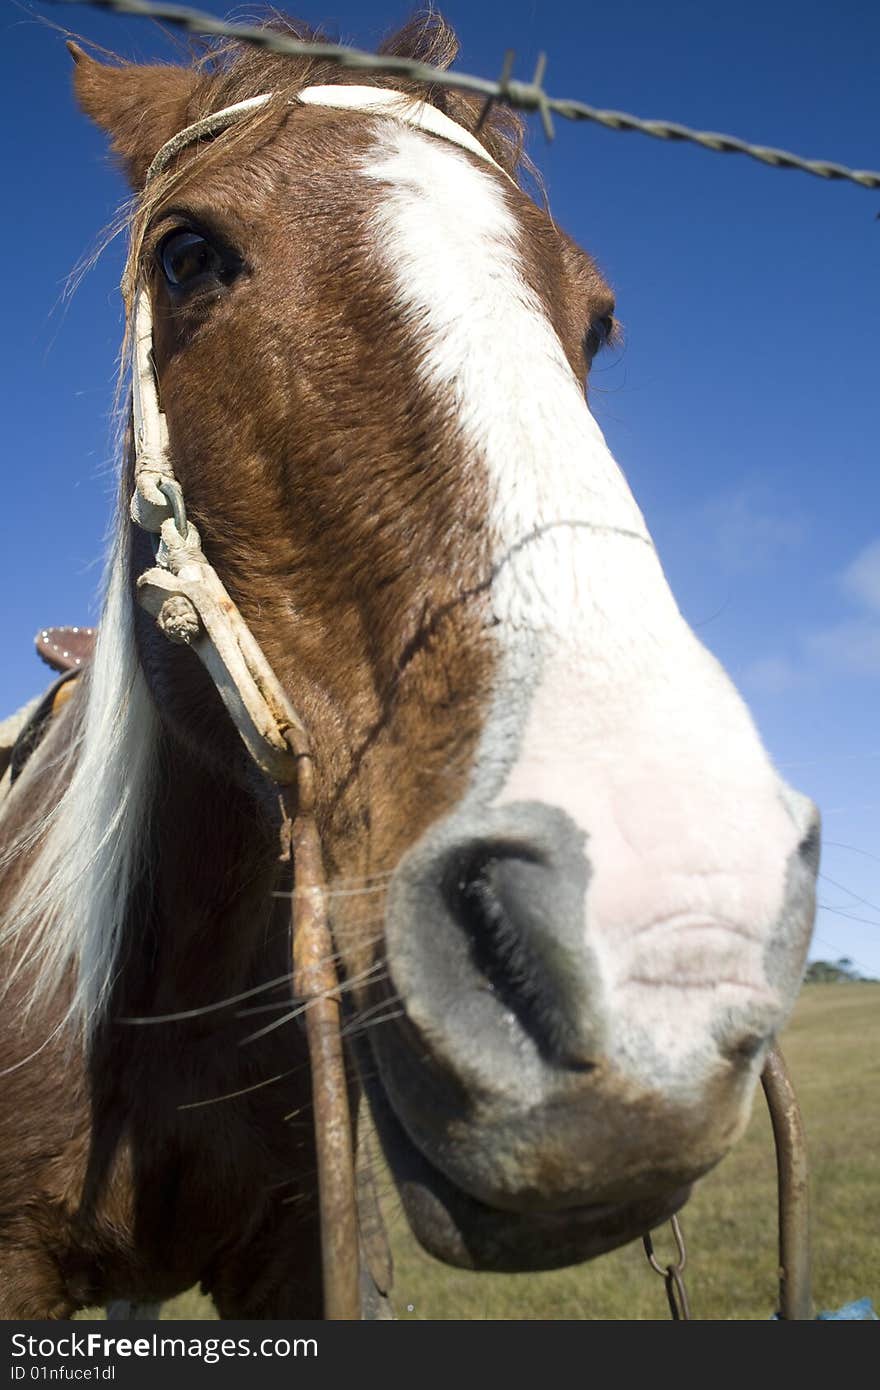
140, 107
427, 38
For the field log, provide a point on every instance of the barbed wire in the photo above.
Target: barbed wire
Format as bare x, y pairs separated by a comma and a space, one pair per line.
524, 96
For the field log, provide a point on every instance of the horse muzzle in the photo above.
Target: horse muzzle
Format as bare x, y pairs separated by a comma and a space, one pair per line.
550, 1094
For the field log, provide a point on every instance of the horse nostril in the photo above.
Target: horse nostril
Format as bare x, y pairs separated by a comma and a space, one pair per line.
742, 1050
810, 846
481, 903
504, 899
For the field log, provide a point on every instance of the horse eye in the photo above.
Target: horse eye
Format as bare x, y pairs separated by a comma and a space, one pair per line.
186, 257
597, 336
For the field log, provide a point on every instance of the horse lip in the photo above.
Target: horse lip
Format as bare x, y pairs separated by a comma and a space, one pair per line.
686, 921
467, 1232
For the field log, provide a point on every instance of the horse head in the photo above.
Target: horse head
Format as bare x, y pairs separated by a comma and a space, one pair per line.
566, 880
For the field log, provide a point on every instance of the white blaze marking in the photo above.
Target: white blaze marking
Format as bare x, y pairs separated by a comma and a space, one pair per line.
448, 237
606, 705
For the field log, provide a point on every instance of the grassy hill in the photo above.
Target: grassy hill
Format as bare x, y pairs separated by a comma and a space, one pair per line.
832, 1047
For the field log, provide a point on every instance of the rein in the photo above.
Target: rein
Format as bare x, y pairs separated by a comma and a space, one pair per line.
191, 606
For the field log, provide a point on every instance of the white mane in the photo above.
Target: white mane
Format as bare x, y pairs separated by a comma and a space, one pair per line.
66, 917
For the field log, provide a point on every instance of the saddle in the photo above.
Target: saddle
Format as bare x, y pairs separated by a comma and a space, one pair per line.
67, 650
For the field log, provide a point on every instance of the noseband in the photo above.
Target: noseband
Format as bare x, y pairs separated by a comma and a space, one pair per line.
192, 607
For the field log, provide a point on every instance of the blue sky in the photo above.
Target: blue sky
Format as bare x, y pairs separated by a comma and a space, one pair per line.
742, 405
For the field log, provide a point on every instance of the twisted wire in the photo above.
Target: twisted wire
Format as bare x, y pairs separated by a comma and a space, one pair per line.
524, 96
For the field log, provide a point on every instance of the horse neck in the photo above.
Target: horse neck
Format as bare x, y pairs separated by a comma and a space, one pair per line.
203, 904
203, 923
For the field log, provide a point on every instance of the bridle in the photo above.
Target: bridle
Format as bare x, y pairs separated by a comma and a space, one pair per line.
183, 591
191, 606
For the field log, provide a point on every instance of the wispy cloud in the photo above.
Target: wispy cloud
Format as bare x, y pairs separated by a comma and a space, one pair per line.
861, 578
853, 645
749, 530
771, 675
850, 646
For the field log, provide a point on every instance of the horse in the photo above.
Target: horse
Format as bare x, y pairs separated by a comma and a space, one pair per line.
570, 896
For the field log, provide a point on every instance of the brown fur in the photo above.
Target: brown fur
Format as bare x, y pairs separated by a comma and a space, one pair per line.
335, 502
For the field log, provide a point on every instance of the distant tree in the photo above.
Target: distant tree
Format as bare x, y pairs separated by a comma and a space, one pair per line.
825, 972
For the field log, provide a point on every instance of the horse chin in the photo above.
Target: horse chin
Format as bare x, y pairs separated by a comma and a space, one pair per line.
461, 1230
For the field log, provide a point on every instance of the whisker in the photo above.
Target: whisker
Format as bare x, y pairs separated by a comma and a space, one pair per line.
360, 1025
335, 958
850, 916
382, 1003
835, 947
333, 892
843, 888
307, 1004
836, 844
263, 1008
285, 1003
209, 1008
233, 1095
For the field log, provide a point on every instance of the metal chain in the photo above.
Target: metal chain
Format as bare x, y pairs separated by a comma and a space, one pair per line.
671, 1274
526, 96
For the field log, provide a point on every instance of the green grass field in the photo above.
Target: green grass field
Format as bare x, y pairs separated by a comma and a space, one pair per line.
832, 1047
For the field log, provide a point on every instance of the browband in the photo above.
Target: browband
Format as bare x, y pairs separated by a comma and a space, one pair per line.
382, 101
